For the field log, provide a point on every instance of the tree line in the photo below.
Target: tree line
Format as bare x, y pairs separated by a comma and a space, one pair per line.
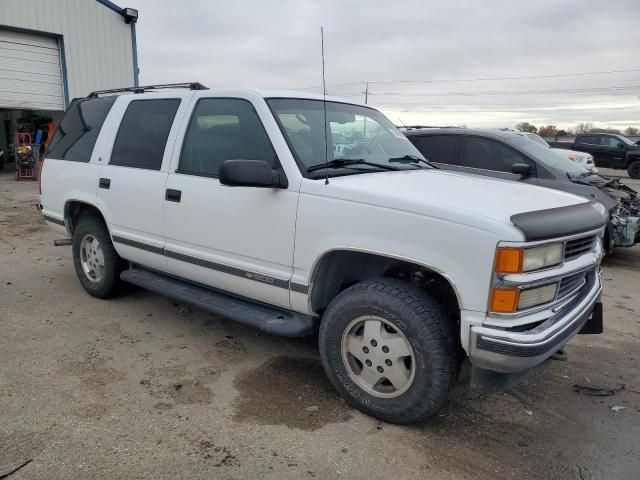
584, 127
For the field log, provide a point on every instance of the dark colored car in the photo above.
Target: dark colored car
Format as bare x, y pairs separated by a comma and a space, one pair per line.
608, 149
513, 156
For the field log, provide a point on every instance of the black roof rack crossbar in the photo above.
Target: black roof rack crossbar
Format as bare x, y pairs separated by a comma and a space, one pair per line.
146, 88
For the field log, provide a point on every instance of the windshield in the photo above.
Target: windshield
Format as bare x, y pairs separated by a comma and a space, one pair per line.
625, 140
353, 133
548, 157
537, 138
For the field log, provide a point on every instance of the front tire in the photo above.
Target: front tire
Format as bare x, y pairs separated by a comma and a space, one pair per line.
634, 169
389, 349
97, 264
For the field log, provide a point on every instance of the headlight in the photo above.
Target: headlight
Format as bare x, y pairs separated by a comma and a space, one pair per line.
537, 296
518, 260
510, 300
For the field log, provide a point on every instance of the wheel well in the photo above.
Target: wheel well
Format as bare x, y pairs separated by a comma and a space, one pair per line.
339, 270
73, 210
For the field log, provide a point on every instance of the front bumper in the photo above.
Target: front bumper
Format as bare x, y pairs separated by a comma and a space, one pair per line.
509, 351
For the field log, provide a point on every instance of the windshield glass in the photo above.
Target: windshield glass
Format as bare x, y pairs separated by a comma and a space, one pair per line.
549, 157
353, 133
537, 138
625, 140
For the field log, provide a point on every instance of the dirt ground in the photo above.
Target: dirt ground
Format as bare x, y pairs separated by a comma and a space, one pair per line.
142, 387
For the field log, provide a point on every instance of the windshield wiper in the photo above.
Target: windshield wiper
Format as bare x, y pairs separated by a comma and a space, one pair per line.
344, 163
412, 159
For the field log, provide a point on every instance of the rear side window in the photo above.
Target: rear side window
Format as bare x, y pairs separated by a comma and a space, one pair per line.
438, 148
78, 130
589, 139
143, 133
223, 129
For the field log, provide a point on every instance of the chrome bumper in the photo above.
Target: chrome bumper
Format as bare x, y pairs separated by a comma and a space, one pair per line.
510, 351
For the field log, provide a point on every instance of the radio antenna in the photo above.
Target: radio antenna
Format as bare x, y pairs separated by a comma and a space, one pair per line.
324, 105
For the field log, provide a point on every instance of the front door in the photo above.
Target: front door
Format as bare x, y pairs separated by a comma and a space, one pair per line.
236, 239
483, 156
611, 152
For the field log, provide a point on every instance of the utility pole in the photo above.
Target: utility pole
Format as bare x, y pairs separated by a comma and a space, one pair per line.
366, 93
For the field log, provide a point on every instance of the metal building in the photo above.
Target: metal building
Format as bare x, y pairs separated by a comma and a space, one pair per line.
52, 51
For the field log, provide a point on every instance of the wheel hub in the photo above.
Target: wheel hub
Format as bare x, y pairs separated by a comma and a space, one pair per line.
378, 356
92, 258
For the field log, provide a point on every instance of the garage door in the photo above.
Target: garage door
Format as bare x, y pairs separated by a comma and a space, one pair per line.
30, 74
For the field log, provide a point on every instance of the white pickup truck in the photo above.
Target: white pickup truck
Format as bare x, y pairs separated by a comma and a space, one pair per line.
297, 215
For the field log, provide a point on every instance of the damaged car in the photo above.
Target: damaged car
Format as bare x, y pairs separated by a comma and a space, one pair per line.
513, 156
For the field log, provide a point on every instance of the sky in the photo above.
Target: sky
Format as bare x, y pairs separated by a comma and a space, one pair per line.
487, 63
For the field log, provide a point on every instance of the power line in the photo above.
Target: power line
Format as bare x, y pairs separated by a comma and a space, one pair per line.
491, 93
479, 79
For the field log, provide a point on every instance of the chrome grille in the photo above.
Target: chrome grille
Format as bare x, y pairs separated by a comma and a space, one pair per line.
579, 246
571, 283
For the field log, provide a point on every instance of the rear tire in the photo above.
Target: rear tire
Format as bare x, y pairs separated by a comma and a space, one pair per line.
634, 169
388, 327
97, 264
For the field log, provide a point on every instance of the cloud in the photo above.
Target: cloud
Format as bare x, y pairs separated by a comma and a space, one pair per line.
277, 45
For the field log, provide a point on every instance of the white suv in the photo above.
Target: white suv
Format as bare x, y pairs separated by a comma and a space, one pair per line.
294, 215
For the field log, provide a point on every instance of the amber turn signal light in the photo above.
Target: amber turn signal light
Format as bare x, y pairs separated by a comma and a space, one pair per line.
504, 300
509, 260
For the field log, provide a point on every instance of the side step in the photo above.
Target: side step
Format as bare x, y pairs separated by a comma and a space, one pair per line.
267, 318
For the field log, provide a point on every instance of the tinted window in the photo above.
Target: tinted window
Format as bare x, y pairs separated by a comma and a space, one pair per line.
437, 148
79, 128
143, 133
490, 155
223, 129
610, 142
590, 139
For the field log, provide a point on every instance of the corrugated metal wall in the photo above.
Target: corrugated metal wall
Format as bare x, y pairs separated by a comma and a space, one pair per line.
30, 73
97, 41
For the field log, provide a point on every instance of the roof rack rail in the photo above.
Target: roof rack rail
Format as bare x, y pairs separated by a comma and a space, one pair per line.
147, 88
417, 127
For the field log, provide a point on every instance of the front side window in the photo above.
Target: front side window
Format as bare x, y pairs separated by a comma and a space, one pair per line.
486, 154
223, 129
353, 133
438, 148
611, 142
143, 133
78, 130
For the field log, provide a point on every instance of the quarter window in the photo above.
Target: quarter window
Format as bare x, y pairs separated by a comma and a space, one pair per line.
143, 133
78, 130
223, 129
437, 148
487, 154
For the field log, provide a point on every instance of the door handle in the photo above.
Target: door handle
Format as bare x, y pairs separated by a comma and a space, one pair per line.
172, 195
104, 183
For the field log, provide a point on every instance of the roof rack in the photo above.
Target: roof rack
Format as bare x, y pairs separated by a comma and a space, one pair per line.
147, 88
418, 127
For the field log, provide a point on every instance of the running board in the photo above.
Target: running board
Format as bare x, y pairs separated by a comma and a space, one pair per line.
270, 319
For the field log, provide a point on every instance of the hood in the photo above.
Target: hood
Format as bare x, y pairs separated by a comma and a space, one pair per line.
442, 194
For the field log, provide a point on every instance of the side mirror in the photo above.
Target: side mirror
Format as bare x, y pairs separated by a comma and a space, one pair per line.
620, 145
523, 169
251, 173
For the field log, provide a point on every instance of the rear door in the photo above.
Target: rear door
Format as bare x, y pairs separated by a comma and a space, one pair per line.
491, 158
133, 177
440, 149
237, 239
589, 144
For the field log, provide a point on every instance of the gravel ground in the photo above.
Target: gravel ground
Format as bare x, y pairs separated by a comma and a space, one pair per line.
142, 387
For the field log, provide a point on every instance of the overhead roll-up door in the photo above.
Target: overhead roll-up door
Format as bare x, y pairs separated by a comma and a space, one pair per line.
30, 72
